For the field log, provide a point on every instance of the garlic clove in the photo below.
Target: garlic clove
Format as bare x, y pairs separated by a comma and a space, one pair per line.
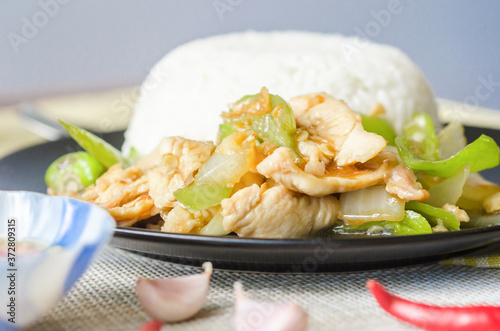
255, 316
174, 299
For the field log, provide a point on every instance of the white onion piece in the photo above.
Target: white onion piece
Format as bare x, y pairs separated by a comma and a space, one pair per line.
370, 204
174, 299
214, 227
451, 140
250, 315
230, 161
449, 190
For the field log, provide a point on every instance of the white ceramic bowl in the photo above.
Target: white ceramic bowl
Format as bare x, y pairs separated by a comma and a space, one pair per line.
56, 239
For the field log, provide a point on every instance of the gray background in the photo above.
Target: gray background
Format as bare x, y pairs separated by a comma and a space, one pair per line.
92, 45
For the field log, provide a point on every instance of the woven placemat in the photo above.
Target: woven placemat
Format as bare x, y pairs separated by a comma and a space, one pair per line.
104, 298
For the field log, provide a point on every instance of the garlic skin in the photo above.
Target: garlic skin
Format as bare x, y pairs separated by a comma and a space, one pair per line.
174, 299
250, 315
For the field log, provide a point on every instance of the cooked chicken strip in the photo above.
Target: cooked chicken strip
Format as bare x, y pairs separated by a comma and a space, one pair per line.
400, 180
332, 120
180, 159
277, 212
458, 212
117, 186
492, 203
281, 167
181, 220
124, 192
316, 160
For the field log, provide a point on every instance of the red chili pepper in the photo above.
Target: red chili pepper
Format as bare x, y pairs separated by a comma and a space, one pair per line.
433, 318
153, 325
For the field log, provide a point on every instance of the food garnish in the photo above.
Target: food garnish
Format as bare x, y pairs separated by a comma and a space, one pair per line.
174, 299
434, 318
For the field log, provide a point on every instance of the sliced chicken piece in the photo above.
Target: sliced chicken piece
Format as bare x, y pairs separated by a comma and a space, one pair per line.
332, 120
459, 213
124, 192
177, 146
277, 212
180, 158
492, 203
281, 167
316, 160
131, 212
117, 186
401, 181
181, 220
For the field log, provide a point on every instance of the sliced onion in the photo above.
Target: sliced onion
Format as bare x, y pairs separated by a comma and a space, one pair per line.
451, 140
214, 227
449, 190
370, 204
230, 161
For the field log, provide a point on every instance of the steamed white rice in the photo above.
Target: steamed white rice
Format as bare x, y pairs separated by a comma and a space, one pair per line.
189, 88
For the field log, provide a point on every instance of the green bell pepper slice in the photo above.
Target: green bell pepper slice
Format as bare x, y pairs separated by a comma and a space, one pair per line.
276, 127
379, 126
421, 134
434, 215
100, 149
412, 224
198, 196
481, 154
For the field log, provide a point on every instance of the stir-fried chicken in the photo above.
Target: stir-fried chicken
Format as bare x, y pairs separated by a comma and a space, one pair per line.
402, 182
459, 213
268, 191
333, 121
124, 192
137, 193
180, 158
492, 203
281, 167
316, 159
181, 220
277, 212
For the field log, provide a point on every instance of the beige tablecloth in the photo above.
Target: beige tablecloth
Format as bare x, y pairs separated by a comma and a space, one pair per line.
104, 298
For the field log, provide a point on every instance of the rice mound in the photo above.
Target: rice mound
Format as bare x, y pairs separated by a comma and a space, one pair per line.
187, 90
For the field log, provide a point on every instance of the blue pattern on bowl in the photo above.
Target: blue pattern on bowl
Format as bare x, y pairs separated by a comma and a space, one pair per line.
70, 233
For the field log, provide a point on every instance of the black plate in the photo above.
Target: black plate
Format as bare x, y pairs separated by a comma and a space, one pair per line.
25, 169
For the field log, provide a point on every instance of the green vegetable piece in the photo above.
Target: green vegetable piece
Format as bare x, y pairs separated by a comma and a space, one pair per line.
268, 129
481, 154
420, 132
434, 215
133, 155
412, 224
286, 120
225, 130
100, 149
197, 196
280, 129
379, 126
72, 172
